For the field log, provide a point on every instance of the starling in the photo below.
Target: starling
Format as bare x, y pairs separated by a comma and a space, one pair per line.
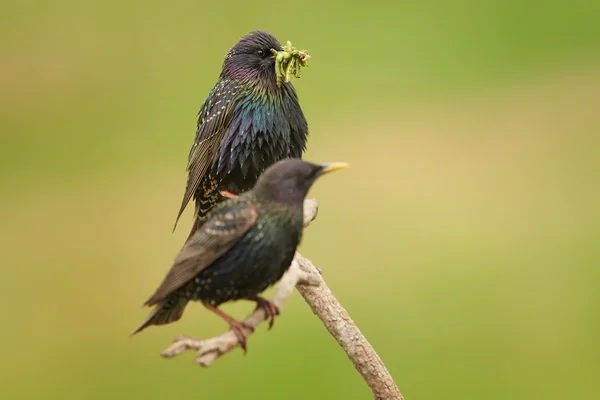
245, 245
249, 121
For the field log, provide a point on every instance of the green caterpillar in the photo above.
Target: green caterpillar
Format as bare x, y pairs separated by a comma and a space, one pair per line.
288, 62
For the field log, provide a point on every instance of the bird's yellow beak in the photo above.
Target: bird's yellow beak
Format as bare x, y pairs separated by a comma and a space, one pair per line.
334, 166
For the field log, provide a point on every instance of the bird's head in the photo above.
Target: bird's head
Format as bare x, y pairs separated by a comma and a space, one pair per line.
252, 57
288, 181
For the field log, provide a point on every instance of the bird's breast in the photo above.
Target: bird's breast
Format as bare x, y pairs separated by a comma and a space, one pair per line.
257, 261
261, 132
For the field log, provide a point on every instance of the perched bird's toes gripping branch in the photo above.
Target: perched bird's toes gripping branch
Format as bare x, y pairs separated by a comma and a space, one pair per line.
208, 350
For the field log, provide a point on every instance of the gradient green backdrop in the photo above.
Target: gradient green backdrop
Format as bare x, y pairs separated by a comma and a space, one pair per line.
463, 240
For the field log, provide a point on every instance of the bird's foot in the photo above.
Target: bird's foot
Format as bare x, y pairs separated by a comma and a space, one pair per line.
227, 194
270, 309
241, 330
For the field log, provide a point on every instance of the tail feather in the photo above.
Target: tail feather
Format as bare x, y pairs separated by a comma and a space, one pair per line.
165, 312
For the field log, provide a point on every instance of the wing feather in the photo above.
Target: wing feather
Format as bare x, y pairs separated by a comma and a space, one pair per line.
225, 227
213, 119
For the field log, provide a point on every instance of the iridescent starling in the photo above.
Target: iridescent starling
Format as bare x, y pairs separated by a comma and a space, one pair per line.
247, 123
244, 246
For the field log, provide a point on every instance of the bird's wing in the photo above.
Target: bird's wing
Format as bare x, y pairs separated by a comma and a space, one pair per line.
221, 232
213, 119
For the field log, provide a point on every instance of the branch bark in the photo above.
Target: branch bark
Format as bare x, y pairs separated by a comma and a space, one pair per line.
303, 275
339, 324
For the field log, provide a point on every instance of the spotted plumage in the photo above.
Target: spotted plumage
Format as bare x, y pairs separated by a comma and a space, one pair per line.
246, 124
244, 246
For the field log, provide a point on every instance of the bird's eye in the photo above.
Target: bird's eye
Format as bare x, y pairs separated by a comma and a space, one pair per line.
260, 53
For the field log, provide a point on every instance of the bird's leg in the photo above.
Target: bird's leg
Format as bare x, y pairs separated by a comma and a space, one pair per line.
228, 194
236, 326
270, 309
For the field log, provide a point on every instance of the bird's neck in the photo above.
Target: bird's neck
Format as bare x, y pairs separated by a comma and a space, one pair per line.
280, 198
265, 88
292, 212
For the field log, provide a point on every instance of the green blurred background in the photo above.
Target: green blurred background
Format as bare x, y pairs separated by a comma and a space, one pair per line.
463, 241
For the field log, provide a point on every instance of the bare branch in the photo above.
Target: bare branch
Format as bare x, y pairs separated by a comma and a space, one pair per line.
337, 321
303, 275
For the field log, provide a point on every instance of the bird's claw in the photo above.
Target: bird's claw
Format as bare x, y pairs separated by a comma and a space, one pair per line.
271, 310
239, 329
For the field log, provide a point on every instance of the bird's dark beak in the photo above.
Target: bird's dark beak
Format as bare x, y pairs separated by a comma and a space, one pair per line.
334, 166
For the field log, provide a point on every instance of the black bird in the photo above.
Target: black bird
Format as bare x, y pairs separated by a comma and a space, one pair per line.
247, 123
244, 246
